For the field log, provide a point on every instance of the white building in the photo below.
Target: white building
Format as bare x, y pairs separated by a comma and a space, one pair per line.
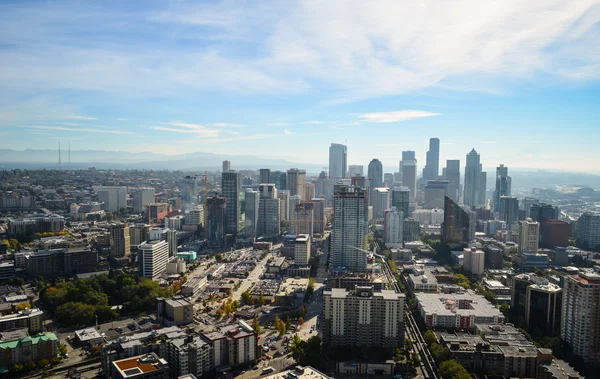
175, 222
381, 202
195, 216
284, 202
141, 198
355, 170
114, 198
429, 216
393, 228
350, 227
474, 261
529, 237
153, 257
302, 249
268, 211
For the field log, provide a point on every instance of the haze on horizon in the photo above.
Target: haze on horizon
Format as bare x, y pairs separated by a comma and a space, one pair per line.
517, 80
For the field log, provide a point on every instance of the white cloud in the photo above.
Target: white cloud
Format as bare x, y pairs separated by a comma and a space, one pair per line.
226, 125
41, 133
396, 116
288, 132
85, 130
68, 123
122, 119
228, 139
78, 117
203, 132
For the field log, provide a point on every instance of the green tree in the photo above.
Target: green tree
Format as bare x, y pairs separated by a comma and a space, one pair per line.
62, 349
297, 347
255, 325
43, 363
429, 338
288, 323
505, 309
246, 297
300, 321
261, 300
29, 366
16, 368
219, 258
453, 370
440, 353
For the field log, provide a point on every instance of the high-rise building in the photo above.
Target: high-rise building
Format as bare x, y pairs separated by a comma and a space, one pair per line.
542, 211
401, 200
363, 318
431, 170
319, 217
588, 231
409, 172
554, 233
215, 228
226, 166
231, 186
268, 211
284, 202
355, 170
138, 233
189, 192
251, 216
309, 191
279, 178
294, 201
474, 261
375, 174
350, 227
114, 198
580, 320
503, 186
537, 301
120, 245
265, 176
388, 180
195, 216
459, 223
153, 257
411, 230
527, 203
452, 175
406, 156
302, 249
295, 181
305, 216
435, 193
337, 160
141, 198
509, 211
393, 227
381, 202
324, 187
474, 191
361, 182
529, 237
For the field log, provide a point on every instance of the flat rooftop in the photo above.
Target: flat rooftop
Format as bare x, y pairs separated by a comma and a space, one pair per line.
141, 364
463, 304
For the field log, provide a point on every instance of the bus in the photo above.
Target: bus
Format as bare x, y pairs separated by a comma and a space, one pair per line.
267, 370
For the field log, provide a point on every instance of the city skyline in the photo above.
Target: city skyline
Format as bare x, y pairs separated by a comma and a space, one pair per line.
222, 77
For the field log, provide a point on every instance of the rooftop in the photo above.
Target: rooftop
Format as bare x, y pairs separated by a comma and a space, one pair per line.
87, 334
299, 372
561, 369
141, 364
463, 304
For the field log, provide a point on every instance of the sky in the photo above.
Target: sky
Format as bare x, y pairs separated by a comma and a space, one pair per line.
519, 81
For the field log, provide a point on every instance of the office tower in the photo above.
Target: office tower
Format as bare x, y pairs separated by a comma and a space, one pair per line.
195, 216
226, 166
120, 240
509, 210
409, 172
363, 318
361, 182
265, 176
380, 202
157, 212
215, 223
537, 301
435, 193
114, 199
304, 220
431, 170
350, 227
324, 187
542, 211
138, 233
393, 227
153, 257
375, 174
141, 198
295, 181
279, 178
411, 230
231, 186
294, 200
459, 223
473, 261
284, 204
580, 319
588, 231
355, 170
189, 192
309, 191
406, 156
529, 237
337, 161
452, 175
388, 180
401, 200
302, 249
252, 207
319, 217
527, 203
503, 186
171, 238
554, 233
268, 211
474, 191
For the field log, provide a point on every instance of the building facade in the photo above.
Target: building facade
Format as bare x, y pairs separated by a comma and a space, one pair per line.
350, 227
337, 160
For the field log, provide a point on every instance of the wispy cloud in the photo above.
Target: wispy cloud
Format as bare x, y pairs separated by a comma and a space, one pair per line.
78, 117
226, 125
278, 124
228, 139
319, 122
68, 123
288, 132
122, 119
84, 130
396, 116
203, 132
41, 133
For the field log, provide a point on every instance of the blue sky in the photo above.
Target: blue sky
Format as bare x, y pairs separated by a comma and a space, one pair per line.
516, 80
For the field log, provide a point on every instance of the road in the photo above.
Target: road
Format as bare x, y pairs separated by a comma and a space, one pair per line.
253, 277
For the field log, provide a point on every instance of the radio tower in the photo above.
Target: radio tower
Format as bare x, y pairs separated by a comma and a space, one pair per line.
59, 162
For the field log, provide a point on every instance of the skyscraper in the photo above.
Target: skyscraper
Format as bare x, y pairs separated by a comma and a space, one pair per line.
251, 213
459, 223
231, 186
215, 228
474, 181
529, 236
452, 175
431, 170
284, 201
337, 160
355, 170
503, 185
509, 210
588, 231
381, 202
294, 200
305, 218
375, 174
319, 217
189, 192
542, 211
279, 178
114, 198
309, 191
153, 257
392, 227
295, 181
265, 175
350, 226
268, 211
302, 249
401, 200
435, 192
141, 198
119, 240
409, 172
226, 166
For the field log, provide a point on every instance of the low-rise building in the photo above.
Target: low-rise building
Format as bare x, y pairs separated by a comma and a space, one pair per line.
31, 319
422, 280
299, 372
292, 289
89, 336
25, 349
175, 311
147, 366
